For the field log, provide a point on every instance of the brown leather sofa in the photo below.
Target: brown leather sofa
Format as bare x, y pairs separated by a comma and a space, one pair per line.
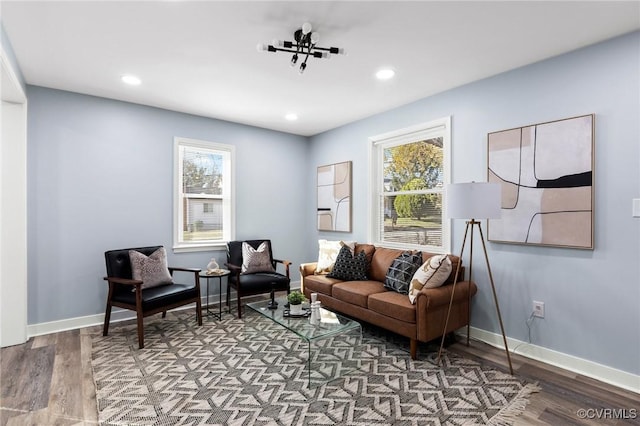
371, 302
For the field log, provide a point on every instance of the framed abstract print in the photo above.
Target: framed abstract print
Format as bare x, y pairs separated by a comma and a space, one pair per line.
334, 197
546, 174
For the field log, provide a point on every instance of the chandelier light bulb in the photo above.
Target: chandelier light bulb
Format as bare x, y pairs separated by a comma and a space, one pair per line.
306, 28
303, 66
315, 37
294, 59
261, 47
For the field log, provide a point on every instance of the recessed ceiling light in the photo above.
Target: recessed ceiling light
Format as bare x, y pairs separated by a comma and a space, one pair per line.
291, 116
131, 79
385, 74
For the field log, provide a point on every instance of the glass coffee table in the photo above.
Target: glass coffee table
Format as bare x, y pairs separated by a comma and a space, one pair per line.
332, 340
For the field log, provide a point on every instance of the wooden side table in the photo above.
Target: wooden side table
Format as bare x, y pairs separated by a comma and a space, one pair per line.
218, 275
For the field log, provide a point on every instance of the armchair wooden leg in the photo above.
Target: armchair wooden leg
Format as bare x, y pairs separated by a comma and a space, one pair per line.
199, 311
164, 314
413, 348
107, 318
140, 331
239, 306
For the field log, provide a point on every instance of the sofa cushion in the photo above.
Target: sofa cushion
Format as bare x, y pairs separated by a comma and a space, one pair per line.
368, 250
401, 271
382, 258
349, 267
319, 284
356, 292
433, 273
394, 305
327, 253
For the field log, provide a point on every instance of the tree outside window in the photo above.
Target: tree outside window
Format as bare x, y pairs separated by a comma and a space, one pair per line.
409, 171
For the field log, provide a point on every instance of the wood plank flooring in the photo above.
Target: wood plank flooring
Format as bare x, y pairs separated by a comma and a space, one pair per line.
48, 381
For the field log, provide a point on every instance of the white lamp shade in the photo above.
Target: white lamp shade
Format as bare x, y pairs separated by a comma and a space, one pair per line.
474, 200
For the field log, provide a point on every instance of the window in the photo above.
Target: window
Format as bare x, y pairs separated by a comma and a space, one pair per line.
203, 195
409, 170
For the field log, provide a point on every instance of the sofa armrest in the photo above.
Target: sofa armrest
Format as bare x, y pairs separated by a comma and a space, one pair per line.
432, 305
440, 296
305, 270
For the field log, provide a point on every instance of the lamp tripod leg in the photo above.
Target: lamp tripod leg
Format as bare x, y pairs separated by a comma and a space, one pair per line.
453, 291
495, 299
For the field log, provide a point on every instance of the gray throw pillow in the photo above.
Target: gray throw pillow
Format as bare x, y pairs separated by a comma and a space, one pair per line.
256, 260
401, 271
152, 269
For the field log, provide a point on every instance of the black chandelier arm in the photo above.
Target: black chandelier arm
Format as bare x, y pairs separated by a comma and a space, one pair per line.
271, 48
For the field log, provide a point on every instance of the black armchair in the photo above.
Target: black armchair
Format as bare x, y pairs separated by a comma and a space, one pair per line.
128, 293
251, 283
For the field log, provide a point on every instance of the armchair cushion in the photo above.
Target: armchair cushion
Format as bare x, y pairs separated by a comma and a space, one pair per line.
157, 297
256, 259
152, 270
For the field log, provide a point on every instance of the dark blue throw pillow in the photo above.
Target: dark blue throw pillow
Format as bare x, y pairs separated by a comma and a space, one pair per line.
401, 271
349, 267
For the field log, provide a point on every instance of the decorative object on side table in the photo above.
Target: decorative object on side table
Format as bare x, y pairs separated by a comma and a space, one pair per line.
213, 268
295, 299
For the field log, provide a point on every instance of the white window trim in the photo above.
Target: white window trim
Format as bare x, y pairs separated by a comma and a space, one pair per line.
178, 246
441, 126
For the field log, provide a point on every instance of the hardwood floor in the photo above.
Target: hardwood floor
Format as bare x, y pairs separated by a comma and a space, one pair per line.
48, 381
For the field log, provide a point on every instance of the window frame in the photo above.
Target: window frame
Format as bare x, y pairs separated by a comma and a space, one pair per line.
228, 196
436, 128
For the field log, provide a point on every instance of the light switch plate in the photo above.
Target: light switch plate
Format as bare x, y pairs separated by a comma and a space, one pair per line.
636, 207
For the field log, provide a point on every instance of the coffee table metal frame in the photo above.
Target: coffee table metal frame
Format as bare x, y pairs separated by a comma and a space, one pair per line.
303, 328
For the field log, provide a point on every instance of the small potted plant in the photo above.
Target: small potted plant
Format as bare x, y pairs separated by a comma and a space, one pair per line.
295, 299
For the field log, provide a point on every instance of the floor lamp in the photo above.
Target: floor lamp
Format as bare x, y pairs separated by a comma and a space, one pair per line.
474, 201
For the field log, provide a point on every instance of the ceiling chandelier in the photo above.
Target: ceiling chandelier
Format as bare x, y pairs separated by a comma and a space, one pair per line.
304, 45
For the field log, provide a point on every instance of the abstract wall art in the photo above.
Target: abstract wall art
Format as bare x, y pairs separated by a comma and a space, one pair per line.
546, 173
334, 197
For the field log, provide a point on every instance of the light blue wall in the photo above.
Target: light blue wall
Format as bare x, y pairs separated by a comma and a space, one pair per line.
100, 177
592, 298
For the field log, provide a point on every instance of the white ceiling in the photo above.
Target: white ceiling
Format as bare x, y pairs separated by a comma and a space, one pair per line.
201, 58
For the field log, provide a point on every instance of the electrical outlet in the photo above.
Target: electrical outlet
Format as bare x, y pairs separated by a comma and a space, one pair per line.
538, 309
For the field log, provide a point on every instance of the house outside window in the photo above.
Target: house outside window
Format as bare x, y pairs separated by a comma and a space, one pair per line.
409, 171
203, 195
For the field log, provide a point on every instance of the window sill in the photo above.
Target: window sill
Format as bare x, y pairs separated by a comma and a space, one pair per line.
186, 248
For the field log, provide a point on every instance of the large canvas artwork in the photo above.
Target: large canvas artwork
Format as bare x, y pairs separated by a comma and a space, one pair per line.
334, 197
546, 173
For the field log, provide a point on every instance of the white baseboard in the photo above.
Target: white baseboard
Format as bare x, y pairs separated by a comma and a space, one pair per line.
619, 378
117, 315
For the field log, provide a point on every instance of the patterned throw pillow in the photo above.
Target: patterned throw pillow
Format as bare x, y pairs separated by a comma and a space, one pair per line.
256, 260
401, 270
327, 253
349, 267
152, 269
433, 273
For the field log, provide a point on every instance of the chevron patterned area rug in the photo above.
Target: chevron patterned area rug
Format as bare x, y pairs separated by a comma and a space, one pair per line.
253, 372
